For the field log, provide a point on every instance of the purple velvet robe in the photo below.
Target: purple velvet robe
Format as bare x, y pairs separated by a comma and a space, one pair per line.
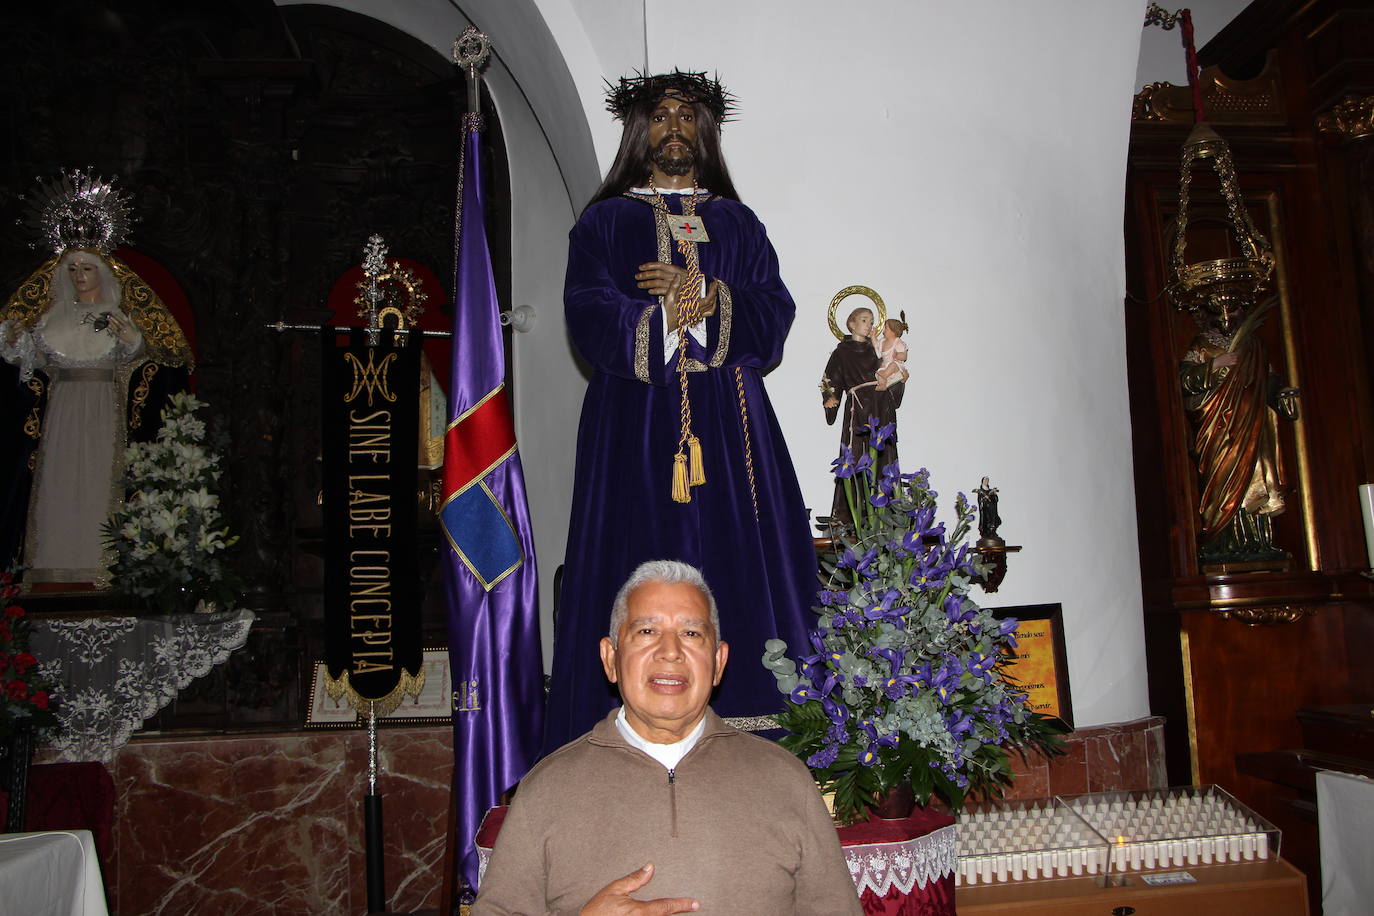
762, 569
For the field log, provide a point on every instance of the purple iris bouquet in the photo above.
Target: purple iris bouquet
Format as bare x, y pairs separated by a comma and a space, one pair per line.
905, 677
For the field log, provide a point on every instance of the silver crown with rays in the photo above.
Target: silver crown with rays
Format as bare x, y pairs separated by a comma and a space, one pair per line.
78, 209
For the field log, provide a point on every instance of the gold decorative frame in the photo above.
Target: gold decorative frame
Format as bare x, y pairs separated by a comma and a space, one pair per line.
433, 705
1041, 654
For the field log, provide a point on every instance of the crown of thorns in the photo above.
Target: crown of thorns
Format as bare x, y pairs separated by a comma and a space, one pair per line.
690, 87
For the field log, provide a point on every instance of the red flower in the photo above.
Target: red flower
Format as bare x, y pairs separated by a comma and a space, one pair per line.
14, 610
4, 661
40, 699
17, 689
23, 662
5, 631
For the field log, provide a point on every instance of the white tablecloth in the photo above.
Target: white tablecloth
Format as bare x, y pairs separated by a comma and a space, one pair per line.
54, 873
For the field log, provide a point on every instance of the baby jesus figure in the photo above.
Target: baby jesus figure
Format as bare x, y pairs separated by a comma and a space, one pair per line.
892, 350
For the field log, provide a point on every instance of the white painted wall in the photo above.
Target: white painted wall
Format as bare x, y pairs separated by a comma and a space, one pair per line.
965, 160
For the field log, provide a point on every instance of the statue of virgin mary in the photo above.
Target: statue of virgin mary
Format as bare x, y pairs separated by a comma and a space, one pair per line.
89, 340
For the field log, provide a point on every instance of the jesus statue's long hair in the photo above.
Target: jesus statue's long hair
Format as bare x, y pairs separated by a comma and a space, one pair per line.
632, 160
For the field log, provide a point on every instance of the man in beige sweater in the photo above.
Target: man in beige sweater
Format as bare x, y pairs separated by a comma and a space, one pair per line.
662, 799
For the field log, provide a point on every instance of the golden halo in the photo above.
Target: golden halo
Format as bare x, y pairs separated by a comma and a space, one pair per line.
855, 291
403, 295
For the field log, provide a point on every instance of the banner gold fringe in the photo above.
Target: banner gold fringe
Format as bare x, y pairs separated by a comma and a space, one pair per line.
409, 684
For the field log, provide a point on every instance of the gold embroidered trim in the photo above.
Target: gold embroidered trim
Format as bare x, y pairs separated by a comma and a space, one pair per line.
751, 723
161, 334
665, 238
140, 398
725, 307
642, 343
33, 425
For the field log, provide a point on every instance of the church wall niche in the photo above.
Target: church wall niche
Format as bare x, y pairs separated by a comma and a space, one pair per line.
261, 147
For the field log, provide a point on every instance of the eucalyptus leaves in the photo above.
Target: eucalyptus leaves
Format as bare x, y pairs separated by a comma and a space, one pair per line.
903, 677
169, 539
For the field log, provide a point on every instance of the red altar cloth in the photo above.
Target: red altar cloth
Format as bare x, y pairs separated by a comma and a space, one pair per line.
902, 867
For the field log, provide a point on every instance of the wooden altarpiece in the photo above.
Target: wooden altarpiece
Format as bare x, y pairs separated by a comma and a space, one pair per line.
1234, 653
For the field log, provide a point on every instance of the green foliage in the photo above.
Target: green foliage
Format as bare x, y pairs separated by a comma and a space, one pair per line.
906, 678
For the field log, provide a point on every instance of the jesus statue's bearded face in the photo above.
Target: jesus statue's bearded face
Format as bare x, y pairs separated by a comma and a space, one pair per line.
673, 136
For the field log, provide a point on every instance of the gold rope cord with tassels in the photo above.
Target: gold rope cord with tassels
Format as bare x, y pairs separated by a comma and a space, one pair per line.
748, 451
688, 468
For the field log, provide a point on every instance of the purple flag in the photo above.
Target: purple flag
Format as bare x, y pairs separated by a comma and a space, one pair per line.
490, 582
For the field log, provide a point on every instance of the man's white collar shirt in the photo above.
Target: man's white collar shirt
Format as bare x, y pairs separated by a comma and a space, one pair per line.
667, 754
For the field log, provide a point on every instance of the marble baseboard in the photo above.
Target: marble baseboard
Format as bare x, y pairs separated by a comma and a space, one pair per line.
274, 825
1123, 756
270, 825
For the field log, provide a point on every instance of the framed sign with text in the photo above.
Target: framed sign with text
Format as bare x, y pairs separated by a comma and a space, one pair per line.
433, 705
1041, 666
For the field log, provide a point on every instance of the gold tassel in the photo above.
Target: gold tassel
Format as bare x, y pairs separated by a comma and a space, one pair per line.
698, 476
680, 492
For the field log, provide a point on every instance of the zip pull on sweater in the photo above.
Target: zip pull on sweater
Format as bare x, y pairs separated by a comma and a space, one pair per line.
672, 800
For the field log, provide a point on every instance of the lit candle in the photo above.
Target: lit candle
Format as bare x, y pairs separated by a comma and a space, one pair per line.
1367, 510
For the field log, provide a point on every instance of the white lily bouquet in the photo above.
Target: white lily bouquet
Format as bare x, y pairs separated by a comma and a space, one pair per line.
169, 539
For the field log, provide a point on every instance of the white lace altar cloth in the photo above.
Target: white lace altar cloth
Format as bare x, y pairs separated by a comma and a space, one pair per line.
903, 864
114, 672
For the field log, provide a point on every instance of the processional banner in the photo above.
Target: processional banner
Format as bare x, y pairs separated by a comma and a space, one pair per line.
369, 442
492, 591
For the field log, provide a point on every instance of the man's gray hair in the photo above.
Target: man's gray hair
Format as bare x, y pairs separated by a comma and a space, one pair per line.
669, 572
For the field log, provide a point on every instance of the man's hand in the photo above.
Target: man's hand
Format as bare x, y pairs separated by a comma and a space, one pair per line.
657, 276
665, 280
614, 899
